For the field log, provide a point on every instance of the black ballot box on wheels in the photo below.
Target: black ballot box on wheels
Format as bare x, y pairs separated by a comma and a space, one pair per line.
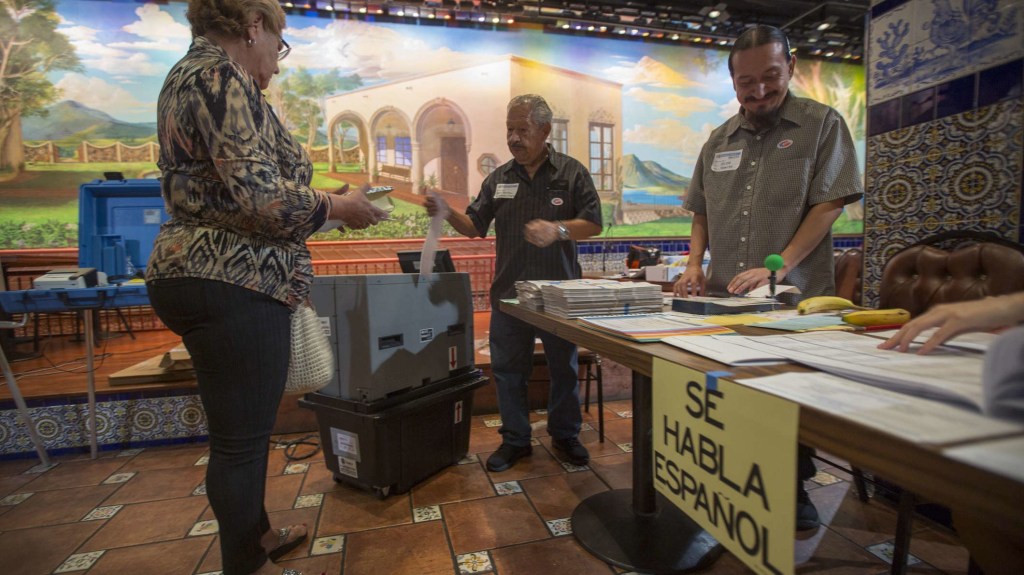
391, 445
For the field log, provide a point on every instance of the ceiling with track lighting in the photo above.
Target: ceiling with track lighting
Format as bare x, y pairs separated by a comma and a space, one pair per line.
831, 29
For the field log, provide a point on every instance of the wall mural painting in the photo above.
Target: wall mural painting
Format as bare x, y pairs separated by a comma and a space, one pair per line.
415, 107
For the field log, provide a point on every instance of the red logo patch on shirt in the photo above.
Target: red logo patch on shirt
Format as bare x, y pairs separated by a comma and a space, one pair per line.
557, 201
785, 144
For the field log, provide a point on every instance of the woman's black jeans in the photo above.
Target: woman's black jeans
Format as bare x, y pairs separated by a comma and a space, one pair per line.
239, 342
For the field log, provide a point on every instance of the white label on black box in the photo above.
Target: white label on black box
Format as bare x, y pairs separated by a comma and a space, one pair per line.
325, 323
347, 467
426, 334
458, 412
345, 444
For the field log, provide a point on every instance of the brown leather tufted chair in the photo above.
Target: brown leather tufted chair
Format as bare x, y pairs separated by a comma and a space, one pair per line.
950, 267
849, 268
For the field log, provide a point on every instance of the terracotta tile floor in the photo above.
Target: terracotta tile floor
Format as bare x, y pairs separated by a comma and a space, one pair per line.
146, 512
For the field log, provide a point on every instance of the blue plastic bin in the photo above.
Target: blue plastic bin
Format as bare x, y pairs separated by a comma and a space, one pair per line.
117, 220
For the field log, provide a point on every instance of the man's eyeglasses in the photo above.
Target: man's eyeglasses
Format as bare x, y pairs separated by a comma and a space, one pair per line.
283, 52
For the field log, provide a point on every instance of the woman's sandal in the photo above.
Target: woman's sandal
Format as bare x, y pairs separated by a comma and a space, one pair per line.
283, 544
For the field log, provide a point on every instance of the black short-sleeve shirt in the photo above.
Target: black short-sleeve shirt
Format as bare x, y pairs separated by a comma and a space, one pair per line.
562, 189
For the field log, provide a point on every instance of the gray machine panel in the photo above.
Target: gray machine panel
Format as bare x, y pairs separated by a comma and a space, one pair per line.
395, 332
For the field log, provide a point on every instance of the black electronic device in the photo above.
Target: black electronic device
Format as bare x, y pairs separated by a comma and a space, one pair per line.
640, 256
410, 262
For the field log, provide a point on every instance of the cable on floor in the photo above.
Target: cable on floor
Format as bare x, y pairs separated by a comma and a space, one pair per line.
291, 446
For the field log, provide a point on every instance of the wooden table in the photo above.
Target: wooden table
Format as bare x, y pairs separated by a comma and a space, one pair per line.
973, 492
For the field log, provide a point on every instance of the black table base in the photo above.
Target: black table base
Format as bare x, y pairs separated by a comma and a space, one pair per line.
661, 543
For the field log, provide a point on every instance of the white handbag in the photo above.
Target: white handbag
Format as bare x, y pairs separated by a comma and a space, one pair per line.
311, 366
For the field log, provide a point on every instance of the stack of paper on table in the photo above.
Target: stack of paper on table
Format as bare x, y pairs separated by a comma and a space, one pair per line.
650, 327
912, 418
578, 298
529, 294
945, 374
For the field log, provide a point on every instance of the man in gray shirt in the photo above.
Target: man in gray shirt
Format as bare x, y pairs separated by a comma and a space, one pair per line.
541, 201
772, 179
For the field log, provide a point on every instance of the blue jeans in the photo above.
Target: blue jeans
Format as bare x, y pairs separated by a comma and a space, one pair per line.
239, 341
512, 345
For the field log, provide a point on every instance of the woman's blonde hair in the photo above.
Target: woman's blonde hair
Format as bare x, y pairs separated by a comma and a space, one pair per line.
232, 17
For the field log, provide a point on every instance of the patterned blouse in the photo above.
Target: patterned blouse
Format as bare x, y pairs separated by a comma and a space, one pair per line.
235, 182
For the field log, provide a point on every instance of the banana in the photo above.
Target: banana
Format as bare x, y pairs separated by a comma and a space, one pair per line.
825, 303
870, 317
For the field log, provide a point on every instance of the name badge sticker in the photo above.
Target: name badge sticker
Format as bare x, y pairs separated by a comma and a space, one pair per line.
726, 161
506, 191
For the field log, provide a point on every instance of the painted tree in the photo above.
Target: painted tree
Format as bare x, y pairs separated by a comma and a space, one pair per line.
314, 90
30, 48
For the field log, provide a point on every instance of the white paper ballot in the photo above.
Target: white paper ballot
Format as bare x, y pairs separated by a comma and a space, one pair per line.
432, 239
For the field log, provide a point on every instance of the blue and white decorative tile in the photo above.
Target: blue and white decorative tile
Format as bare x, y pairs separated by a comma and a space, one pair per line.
477, 562
627, 447
105, 512
891, 54
303, 501
492, 423
627, 414
886, 550
200, 490
119, 478
12, 500
79, 562
204, 460
205, 527
296, 468
508, 488
328, 545
997, 32
426, 513
469, 458
559, 527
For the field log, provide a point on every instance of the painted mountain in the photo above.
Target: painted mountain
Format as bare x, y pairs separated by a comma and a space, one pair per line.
69, 119
650, 175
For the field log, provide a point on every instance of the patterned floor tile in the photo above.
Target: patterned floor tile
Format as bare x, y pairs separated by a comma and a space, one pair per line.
427, 513
586, 427
492, 423
12, 500
40, 468
479, 562
574, 468
79, 562
471, 458
314, 500
131, 452
825, 478
885, 552
507, 488
105, 512
296, 468
328, 545
118, 478
541, 411
627, 447
200, 490
628, 414
559, 527
204, 460
207, 527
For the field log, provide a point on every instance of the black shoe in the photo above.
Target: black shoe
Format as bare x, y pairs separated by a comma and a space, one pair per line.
507, 455
806, 513
573, 450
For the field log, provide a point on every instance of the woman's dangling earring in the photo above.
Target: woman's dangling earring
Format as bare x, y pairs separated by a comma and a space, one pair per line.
250, 42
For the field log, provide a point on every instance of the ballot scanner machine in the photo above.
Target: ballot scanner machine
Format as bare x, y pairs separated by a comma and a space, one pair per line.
398, 408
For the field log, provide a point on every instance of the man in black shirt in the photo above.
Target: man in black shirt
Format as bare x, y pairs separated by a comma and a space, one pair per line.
540, 203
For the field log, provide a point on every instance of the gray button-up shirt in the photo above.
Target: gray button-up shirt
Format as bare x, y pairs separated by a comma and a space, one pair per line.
756, 187
562, 189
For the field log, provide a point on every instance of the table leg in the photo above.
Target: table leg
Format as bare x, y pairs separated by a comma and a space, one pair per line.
639, 529
90, 380
12, 384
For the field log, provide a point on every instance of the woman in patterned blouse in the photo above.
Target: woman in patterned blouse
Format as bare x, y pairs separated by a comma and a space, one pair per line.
230, 265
